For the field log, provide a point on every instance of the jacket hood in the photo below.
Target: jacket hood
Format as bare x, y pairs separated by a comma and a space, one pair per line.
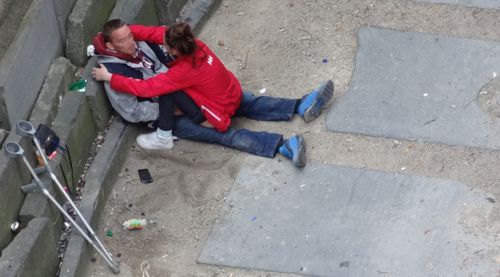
101, 49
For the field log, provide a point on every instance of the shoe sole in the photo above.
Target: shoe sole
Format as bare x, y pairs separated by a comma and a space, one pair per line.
323, 97
300, 159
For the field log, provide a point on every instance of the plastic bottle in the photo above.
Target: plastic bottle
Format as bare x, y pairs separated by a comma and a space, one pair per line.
134, 224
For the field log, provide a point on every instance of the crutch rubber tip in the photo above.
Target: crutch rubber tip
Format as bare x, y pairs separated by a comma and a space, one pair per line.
115, 269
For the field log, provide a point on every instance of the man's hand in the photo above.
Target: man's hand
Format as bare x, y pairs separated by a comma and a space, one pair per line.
101, 73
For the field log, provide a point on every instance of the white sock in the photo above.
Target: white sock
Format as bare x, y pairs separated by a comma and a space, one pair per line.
164, 134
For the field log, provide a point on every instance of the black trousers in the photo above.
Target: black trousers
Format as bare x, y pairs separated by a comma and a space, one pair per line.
181, 100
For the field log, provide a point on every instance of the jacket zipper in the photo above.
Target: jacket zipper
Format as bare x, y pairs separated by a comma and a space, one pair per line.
211, 113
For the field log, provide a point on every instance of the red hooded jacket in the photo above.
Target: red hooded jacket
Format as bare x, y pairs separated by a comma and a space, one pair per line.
205, 79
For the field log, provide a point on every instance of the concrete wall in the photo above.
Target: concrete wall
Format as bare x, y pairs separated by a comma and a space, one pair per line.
76, 118
32, 252
62, 9
84, 22
168, 10
23, 68
13, 174
60, 75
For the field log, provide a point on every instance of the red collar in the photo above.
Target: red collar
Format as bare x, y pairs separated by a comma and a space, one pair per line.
101, 49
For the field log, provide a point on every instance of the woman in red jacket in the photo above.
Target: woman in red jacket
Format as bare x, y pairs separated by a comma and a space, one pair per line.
216, 91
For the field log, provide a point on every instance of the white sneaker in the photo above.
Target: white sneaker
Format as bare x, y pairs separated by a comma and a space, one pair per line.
154, 141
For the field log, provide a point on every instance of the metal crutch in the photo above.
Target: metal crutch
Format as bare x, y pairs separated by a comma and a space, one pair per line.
26, 129
13, 149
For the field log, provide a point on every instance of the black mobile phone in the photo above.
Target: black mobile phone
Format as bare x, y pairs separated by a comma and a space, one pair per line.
145, 176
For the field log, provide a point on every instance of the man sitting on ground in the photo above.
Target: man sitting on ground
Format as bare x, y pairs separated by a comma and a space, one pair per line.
260, 108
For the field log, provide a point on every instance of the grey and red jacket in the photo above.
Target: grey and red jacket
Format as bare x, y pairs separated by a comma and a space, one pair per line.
129, 106
203, 77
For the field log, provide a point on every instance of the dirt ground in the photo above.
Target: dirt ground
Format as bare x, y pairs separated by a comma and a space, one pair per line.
280, 46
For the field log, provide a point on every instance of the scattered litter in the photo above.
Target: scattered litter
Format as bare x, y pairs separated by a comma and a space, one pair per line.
478, 251
145, 266
14, 227
67, 225
344, 264
497, 259
78, 85
281, 30
221, 43
240, 13
303, 185
454, 106
263, 90
494, 74
483, 92
109, 233
426, 94
253, 218
325, 60
396, 141
403, 168
90, 50
491, 200
134, 224
268, 237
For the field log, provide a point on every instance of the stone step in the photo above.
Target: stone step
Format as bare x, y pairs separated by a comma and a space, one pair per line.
11, 14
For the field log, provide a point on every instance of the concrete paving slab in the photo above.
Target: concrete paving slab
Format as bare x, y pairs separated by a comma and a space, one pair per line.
419, 86
487, 4
342, 221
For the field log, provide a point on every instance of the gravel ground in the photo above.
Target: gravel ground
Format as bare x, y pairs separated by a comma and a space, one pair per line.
280, 46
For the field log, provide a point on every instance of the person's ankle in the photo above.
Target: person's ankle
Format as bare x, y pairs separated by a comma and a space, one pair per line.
164, 134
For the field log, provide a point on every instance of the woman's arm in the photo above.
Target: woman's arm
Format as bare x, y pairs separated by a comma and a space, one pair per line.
153, 34
160, 84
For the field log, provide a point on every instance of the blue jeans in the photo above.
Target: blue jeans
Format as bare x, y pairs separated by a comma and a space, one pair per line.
262, 108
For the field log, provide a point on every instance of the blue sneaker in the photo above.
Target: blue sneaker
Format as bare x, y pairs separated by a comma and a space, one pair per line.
294, 148
311, 104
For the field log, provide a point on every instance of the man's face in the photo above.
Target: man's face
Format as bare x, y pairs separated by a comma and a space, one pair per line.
122, 41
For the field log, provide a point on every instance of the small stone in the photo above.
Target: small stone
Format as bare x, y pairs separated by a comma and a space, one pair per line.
93, 259
221, 43
344, 264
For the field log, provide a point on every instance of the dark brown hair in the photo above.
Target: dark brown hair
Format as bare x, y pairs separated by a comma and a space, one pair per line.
180, 37
109, 27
